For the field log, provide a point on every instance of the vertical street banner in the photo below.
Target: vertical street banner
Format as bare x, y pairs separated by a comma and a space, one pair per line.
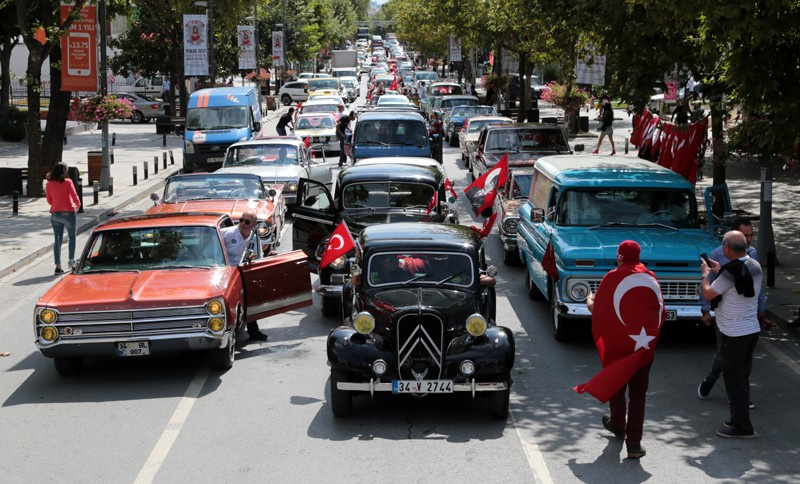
79, 50
247, 46
195, 45
277, 48
672, 91
455, 49
591, 68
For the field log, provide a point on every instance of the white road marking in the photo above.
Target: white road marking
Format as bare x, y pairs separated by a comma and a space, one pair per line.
173, 428
535, 458
780, 355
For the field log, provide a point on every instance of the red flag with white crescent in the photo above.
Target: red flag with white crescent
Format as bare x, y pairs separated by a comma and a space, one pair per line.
626, 323
340, 243
449, 187
483, 191
432, 203
486, 228
307, 142
393, 87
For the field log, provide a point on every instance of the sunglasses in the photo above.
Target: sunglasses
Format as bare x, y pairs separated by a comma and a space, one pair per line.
245, 221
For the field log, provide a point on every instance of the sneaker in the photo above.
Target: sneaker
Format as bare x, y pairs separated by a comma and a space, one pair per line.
705, 388
728, 424
752, 405
607, 425
734, 433
636, 452
58, 271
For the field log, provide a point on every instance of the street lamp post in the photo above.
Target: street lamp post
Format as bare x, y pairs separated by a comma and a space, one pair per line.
105, 167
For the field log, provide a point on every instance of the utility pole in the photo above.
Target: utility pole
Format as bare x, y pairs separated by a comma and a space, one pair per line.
105, 170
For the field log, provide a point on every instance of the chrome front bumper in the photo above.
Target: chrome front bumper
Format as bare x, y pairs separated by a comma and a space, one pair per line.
372, 386
159, 343
579, 310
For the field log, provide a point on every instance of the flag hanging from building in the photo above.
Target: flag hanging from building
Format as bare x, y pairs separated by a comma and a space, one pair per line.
195, 45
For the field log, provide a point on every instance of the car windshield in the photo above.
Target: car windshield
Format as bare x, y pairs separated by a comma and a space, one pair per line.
638, 207
262, 155
153, 248
320, 84
521, 185
445, 89
427, 76
226, 117
197, 187
381, 195
409, 132
319, 108
315, 122
527, 140
449, 103
475, 110
477, 125
422, 268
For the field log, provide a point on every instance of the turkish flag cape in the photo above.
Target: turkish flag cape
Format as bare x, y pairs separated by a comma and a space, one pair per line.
482, 192
393, 87
486, 228
626, 323
340, 243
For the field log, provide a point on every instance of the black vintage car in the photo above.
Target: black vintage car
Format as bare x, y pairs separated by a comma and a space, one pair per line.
421, 306
366, 194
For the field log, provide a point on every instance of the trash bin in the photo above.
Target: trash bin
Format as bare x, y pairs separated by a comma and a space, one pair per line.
95, 160
10, 181
583, 124
271, 104
533, 115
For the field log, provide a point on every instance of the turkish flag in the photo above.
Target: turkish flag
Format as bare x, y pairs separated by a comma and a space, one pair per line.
393, 87
449, 187
486, 228
307, 142
626, 323
432, 204
549, 260
340, 243
464, 126
482, 192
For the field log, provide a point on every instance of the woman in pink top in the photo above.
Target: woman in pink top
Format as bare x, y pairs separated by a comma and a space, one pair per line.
64, 202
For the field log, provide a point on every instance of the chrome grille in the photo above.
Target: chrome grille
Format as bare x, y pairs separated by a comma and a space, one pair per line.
215, 148
131, 323
672, 290
420, 346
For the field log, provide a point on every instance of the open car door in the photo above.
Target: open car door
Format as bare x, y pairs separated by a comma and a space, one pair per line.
314, 216
321, 169
719, 213
276, 284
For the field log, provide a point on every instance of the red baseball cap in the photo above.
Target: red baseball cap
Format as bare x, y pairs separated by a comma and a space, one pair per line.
628, 252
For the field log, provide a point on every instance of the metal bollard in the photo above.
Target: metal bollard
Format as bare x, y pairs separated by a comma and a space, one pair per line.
171, 158
626, 146
15, 204
165, 160
65, 141
113, 139
135, 180
111, 155
111, 186
164, 143
96, 191
145, 170
155, 165
79, 189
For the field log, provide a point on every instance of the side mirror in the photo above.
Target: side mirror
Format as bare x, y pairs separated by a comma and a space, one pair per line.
310, 200
537, 215
256, 126
271, 192
155, 198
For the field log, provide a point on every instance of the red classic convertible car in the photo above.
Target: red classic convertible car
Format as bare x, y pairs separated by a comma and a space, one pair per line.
159, 283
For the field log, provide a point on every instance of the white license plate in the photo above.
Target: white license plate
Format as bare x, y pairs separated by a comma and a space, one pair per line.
215, 160
672, 315
134, 348
422, 386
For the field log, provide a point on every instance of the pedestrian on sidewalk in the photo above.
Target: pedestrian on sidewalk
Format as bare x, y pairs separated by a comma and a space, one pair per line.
64, 202
625, 330
606, 128
738, 282
745, 226
285, 120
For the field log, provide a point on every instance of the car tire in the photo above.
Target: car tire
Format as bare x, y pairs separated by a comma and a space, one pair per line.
341, 400
454, 140
499, 401
560, 330
137, 117
511, 258
222, 358
68, 365
331, 307
286, 99
533, 290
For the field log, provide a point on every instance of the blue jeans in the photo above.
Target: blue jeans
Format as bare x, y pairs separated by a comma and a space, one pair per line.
59, 221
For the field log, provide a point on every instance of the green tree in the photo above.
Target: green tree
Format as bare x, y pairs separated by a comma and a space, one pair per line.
9, 38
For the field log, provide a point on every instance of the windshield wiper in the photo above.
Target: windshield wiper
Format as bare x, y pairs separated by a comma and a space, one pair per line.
449, 277
415, 278
182, 266
102, 271
223, 127
612, 224
654, 224
374, 143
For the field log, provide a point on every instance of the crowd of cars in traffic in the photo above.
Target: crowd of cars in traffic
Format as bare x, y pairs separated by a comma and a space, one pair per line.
415, 297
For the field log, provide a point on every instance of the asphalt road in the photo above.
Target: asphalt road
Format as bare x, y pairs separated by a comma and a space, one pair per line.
171, 419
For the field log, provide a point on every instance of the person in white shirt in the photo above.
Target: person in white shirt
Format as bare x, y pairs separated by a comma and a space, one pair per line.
237, 240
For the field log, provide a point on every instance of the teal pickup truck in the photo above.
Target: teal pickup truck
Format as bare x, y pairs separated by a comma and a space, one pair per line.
585, 206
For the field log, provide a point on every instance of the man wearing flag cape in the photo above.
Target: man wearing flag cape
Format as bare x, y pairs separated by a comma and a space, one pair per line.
627, 316
483, 191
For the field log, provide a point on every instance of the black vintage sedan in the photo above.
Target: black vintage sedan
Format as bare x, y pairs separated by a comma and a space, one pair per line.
370, 193
421, 305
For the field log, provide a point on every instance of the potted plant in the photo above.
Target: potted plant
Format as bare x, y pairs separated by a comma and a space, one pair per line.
259, 76
99, 108
568, 97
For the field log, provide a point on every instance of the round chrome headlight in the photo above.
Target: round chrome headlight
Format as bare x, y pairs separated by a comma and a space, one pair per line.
339, 262
216, 324
510, 225
290, 187
476, 325
48, 316
49, 333
379, 367
467, 368
263, 229
364, 322
578, 290
215, 307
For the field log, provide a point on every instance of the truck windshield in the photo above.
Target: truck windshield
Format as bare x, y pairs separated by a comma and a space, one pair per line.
225, 117
638, 207
153, 248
